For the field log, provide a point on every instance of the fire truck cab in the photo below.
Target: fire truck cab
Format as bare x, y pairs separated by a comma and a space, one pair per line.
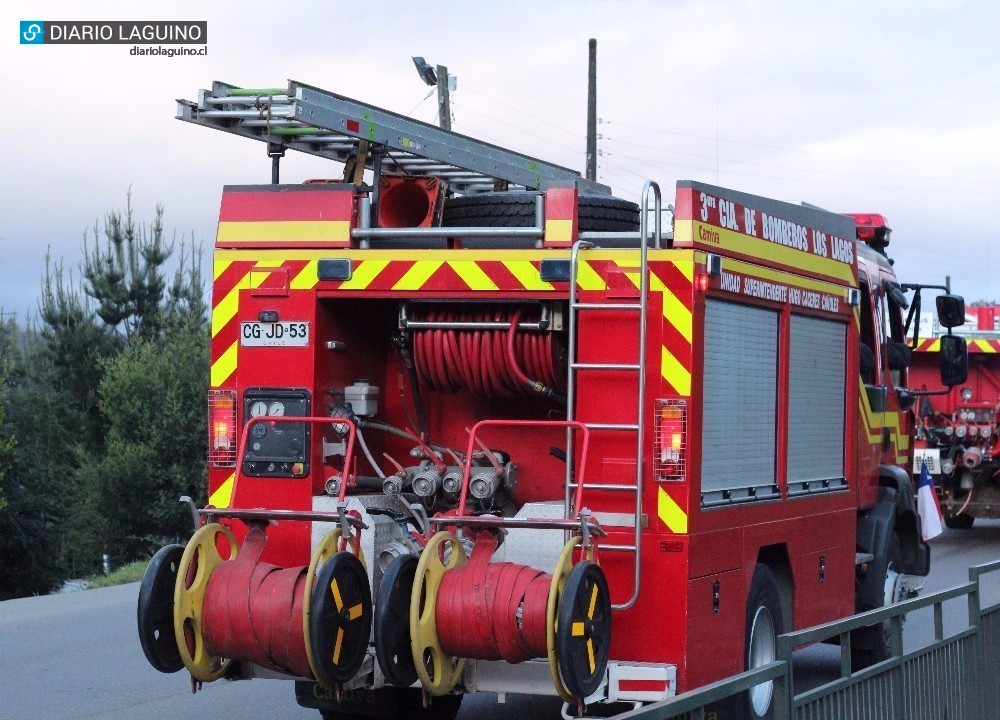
477, 425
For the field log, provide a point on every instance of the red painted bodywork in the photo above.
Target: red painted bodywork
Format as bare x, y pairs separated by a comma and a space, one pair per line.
676, 619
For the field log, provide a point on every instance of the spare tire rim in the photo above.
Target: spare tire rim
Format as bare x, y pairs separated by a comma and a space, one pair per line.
761, 653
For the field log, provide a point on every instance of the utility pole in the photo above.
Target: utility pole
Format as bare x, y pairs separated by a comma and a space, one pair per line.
592, 113
444, 98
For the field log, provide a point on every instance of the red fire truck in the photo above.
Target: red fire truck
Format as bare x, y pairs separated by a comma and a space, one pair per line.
477, 425
957, 432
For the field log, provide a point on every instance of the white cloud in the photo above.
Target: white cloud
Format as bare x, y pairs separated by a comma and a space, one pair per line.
887, 107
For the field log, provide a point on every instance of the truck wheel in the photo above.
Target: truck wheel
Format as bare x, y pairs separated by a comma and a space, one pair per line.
601, 213
764, 624
872, 645
408, 704
959, 522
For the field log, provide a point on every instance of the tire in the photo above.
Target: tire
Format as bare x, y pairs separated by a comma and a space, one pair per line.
601, 213
872, 645
407, 703
959, 522
764, 623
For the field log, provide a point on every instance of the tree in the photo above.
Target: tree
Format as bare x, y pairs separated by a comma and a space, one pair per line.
36, 480
107, 405
153, 396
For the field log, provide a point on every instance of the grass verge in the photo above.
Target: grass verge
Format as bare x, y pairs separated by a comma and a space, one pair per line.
119, 576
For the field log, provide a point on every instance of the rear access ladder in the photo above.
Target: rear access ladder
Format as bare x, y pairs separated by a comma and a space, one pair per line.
305, 118
639, 368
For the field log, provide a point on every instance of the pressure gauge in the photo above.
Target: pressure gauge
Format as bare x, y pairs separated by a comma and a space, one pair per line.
967, 394
277, 409
258, 409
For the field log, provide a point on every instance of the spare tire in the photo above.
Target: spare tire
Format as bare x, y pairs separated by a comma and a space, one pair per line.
601, 213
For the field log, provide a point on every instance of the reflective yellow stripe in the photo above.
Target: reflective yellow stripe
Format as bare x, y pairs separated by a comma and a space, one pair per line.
307, 279
472, 274
337, 645
527, 274
219, 267
674, 372
355, 612
363, 274
226, 309
588, 279
417, 275
670, 512
306, 231
223, 495
560, 231
335, 589
676, 312
577, 630
224, 366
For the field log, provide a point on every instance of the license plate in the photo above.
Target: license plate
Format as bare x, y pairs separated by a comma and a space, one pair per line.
274, 334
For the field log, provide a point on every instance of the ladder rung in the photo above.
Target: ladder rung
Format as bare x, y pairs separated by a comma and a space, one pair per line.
613, 426
609, 487
604, 366
617, 548
607, 306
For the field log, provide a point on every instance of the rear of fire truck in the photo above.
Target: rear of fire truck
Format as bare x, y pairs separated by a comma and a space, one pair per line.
957, 432
477, 425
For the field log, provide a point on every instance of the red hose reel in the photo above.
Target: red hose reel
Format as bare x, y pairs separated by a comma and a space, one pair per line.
309, 621
497, 362
461, 607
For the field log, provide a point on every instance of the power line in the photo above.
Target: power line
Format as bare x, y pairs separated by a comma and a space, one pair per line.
466, 88
800, 150
794, 169
515, 127
940, 189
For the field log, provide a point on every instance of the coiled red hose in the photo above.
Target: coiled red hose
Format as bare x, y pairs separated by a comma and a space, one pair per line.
488, 363
493, 611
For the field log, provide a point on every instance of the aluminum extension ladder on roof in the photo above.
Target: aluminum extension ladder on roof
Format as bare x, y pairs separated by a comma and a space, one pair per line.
319, 122
639, 368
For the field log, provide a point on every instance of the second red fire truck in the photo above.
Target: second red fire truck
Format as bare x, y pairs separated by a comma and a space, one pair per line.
477, 425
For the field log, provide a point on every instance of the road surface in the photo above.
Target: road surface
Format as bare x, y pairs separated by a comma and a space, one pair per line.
75, 656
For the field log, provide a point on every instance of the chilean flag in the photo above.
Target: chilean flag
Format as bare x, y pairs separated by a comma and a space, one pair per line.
927, 505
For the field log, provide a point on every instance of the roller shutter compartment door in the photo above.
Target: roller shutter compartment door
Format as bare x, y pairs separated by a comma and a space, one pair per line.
816, 379
739, 412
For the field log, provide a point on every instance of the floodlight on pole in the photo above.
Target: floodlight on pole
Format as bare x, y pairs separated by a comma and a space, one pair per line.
425, 70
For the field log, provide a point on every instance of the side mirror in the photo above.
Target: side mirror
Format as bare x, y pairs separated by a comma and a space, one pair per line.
951, 310
954, 359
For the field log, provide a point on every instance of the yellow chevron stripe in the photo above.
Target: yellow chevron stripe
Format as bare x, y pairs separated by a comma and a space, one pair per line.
675, 373
363, 274
307, 278
417, 275
670, 512
227, 307
675, 311
219, 267
306, 231
527, 274
223, 495
983, 345
686, 230
472, 274
224, 366
875, 422
588, 279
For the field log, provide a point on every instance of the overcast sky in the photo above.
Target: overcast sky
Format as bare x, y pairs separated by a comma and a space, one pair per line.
853, 106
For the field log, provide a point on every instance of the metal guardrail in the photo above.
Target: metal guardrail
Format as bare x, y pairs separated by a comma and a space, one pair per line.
951, 677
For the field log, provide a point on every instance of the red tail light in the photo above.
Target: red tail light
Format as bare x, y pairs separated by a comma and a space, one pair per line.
222, 428
670, 440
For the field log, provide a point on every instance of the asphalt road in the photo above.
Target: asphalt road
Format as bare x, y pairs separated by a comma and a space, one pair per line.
76, 656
